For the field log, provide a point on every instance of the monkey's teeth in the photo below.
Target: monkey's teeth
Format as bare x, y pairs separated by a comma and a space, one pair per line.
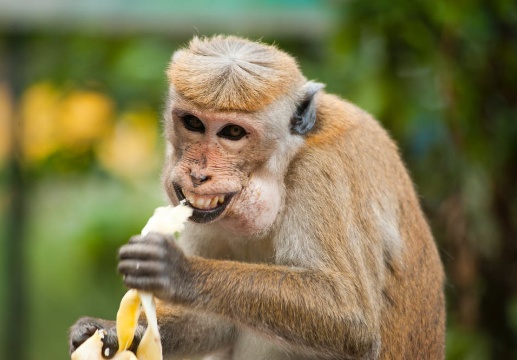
204, 202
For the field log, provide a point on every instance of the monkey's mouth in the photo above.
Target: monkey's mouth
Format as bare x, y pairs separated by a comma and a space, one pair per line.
207, 208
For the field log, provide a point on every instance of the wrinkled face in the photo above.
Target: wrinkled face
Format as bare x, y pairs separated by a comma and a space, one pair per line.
218, 162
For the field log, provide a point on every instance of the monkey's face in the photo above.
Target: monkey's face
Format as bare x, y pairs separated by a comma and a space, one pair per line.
218, 163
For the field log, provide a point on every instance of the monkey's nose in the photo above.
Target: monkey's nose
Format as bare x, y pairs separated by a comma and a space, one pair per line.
198, 179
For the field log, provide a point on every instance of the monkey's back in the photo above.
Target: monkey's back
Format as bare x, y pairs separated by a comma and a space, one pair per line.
381, 198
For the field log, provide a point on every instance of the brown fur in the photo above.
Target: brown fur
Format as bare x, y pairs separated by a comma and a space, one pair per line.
355, 271
373, 285
230, 73
323, 253
406, 283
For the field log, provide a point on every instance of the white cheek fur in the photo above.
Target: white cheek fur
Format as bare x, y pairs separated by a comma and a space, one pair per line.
278, 163
287, 144
257, 207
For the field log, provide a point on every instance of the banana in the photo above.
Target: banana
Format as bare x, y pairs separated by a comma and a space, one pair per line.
166, 220
150, 347
91, 348
127, 319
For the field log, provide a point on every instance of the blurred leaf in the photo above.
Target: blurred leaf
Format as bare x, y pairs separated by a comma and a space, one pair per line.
130, 151
466, 345
84, 118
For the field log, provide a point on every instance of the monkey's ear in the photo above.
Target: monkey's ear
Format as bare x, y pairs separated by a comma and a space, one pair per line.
305, 116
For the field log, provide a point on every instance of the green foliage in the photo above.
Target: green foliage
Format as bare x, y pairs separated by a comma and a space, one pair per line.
466, 345
440, 75
76, 227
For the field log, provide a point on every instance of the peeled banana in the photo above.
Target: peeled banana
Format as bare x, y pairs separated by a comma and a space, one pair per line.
165, 220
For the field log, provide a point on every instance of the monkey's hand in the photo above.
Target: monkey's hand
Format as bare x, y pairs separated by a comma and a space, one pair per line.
153, 263
85, 327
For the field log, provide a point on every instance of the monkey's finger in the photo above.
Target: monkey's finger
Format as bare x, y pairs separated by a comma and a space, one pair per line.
152, 237
109, 343
141, 268
145, 283
141, 251
80, 333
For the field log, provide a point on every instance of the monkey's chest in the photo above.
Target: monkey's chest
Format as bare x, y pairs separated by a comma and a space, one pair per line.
249, 346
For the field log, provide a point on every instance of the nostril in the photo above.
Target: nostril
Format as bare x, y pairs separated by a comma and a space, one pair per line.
198, 179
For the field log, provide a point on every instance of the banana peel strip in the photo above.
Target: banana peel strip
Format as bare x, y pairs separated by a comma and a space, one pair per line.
165, 220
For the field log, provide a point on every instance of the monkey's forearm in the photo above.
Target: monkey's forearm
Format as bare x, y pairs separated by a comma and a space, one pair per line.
187, 333
306, 308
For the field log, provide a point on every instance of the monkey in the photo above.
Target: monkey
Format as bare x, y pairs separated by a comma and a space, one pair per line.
307, 239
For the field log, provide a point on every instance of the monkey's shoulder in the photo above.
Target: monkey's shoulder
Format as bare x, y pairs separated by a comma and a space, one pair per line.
348, 146
339, 122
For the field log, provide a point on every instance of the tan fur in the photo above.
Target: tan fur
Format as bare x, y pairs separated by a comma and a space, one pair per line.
322, 253
348, 268
230, 73
402, 278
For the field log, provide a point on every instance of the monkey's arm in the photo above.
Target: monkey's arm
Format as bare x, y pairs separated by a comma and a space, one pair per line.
182, 332
320, 312
186, 333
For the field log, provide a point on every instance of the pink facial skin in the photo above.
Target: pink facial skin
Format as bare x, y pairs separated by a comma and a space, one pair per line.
223, 179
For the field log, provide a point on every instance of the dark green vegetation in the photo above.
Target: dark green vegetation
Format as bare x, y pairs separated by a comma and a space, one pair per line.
440, 75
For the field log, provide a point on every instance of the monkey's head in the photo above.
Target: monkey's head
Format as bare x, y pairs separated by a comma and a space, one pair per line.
237, 113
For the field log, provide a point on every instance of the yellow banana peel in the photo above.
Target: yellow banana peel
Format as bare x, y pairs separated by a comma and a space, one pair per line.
127, 318
166, 220
150, 347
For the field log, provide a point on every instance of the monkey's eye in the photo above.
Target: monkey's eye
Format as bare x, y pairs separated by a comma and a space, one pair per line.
192, 123
232, 132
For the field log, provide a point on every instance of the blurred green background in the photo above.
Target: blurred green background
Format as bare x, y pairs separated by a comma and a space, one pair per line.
81, 91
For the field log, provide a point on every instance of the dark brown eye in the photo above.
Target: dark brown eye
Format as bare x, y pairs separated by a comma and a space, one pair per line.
192, 123
232, 132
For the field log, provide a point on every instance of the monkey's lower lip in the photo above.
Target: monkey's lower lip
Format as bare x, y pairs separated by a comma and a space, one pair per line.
204, 215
